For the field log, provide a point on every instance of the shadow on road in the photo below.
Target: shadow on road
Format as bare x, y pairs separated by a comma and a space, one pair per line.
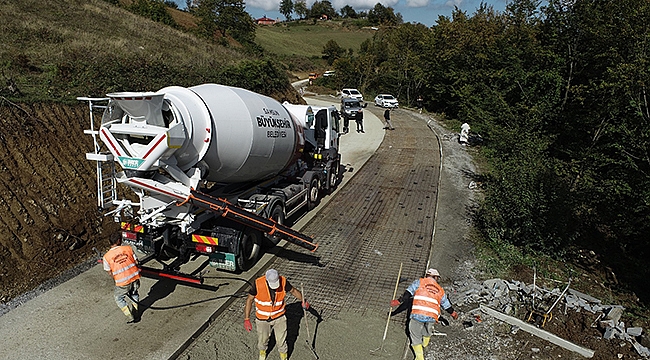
296, 324
295, 256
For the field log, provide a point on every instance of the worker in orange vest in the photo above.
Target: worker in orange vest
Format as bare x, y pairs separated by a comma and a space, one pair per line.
269, 294
122, 264
428, 298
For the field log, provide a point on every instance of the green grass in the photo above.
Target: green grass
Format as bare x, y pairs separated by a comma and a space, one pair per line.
307, 39
58, 49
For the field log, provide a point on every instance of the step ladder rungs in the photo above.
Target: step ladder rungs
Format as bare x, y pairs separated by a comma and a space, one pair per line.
99, 157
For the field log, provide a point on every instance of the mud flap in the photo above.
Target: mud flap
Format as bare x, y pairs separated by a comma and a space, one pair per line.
223, 261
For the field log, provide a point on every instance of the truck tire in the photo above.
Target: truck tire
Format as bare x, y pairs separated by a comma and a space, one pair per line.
277, 214
333, 177
249, 249
314, 192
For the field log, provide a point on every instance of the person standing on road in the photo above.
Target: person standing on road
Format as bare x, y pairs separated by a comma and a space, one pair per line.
428, 297
389, 125
346, 124
419, 102
122, 264
269, 293
359, 121
463, 138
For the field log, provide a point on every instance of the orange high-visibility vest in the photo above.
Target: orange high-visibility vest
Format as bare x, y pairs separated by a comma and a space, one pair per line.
426, 300
265, 308
122, 263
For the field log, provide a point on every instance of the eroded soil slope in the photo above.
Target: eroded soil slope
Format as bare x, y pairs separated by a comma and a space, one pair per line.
48, 215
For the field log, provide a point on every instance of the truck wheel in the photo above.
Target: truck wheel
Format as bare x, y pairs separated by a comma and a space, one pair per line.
333, 177
249, 249
314, 192
277, 214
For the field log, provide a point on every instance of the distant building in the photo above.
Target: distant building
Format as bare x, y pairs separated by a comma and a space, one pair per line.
265, 21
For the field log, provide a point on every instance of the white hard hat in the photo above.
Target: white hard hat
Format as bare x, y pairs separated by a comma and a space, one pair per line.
273, 278
433, 272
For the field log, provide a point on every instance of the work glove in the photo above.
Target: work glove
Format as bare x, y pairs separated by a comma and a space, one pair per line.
305, 305
454, 315
247, 325
394, 303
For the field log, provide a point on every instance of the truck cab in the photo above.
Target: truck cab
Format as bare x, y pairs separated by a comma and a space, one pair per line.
321, 126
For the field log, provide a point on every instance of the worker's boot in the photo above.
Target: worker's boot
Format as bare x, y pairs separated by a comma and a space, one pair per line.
425, 341
128, 314
284, 356
135, 312
419, 352
262, 355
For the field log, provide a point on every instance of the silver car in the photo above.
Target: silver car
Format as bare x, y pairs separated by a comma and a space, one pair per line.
386, 100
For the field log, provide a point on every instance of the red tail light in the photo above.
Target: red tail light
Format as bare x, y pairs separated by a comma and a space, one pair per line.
203, 248
129, 235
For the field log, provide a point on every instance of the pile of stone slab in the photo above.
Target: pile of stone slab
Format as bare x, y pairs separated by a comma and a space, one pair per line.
513, 297
613, 328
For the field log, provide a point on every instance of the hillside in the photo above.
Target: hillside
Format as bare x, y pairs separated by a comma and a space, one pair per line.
306, 39
98, 47
297, 44
51, 53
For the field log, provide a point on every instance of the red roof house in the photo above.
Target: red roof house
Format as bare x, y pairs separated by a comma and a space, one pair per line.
265, 21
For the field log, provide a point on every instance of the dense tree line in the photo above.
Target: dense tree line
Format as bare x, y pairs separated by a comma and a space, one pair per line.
559, 95
378, 15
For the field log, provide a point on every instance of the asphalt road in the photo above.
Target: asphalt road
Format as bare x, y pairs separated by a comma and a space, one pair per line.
78, 319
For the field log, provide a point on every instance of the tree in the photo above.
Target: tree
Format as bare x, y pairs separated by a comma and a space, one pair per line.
321, 8
332, 51
400, 59
301, 9
286, 8
229, 17
384, 15
236, 22
205, 11
347, 12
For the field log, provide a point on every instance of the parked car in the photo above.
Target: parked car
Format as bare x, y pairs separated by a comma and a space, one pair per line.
386, 100
329, 73
351, 109
351, 93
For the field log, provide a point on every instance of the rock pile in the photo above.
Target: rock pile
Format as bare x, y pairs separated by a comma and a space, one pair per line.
511, 297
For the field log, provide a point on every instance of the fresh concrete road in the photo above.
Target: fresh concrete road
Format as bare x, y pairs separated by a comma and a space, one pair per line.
79, 319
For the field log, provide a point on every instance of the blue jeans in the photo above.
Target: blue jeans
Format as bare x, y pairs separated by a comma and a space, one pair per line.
130, 290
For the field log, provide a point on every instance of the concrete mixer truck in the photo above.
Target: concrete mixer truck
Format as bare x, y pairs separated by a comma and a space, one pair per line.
213, 170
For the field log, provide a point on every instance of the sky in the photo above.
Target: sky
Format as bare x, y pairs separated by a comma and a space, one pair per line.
417, 11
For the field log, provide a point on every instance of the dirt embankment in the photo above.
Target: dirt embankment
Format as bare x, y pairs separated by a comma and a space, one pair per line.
48, 214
